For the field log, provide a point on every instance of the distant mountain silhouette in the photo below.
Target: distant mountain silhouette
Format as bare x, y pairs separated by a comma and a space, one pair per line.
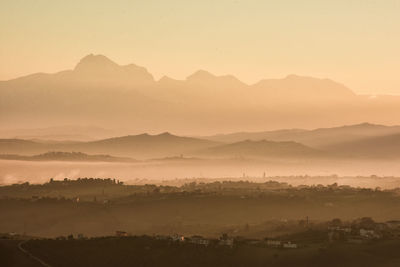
295, 88
387, 146
142, 146
359, 141
101, 92
22, 147
205, 79
59, 133
147, 146
263, 148
318, 138
92, 71
66, 156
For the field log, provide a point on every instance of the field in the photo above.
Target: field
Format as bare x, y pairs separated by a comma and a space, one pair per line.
146, 251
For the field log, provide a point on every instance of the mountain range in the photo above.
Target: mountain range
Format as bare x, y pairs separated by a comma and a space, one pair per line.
99, 91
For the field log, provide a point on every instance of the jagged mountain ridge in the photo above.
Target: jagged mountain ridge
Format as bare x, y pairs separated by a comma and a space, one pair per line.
99, 91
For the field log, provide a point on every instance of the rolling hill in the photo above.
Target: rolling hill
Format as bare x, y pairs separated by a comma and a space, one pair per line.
66, 156
145, 145
60, 133
142, 146
319, 138
262, 149
387, 146
362, 140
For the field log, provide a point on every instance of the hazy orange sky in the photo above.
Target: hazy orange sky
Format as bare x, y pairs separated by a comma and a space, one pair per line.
354, 42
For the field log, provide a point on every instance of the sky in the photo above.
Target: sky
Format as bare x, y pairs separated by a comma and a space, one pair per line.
352, 42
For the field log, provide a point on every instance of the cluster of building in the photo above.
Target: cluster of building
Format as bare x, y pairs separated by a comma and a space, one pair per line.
224, 240
280, 244
361, 233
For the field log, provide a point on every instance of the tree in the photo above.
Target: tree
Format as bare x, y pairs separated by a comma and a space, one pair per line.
335, 222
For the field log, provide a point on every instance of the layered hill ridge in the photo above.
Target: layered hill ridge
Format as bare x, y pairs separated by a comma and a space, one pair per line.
143, 146
60, 133
385, 147
318, 138
361, 141
66, 156
148, 146
263, 149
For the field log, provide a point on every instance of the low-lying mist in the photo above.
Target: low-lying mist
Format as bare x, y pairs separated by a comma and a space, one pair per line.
297, 172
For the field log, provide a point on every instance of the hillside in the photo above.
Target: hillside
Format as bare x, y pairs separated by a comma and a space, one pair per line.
143, 146
60, 133
263, 148
374, 147
318, 138
194, 208
20, 146
361, 141
66, 156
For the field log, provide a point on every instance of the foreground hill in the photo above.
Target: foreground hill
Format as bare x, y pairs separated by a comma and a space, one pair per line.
209, 209
263, 148
151, 251
318, 138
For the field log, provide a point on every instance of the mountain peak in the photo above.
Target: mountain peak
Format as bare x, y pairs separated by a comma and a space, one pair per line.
100, 69
200, 75
297, 78
95, 62
292, 76
366, 125
206, 78
165, 134
166, 79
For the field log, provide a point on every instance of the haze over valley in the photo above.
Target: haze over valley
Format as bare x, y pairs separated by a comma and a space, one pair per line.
295, 125
353, 150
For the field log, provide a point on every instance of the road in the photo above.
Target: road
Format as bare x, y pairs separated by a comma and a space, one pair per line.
12, 254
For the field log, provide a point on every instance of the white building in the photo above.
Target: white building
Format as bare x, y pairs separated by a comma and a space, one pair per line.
199, 240
226, 242
274, 243
289, 245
